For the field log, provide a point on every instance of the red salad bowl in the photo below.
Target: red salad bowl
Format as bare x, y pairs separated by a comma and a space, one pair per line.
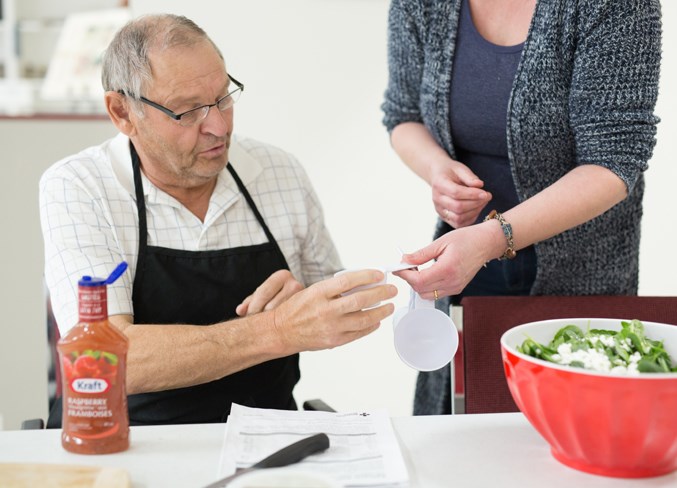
603, 423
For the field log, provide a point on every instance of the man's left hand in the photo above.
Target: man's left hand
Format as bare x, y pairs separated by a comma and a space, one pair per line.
276, 289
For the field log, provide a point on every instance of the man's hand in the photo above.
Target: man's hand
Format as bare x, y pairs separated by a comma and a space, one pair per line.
321, 318
315, 318
276, 289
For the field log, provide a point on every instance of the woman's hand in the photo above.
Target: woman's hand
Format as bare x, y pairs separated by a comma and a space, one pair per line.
458, 196
459, 255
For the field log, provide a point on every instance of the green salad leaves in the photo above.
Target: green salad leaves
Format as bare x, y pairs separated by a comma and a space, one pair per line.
624, 351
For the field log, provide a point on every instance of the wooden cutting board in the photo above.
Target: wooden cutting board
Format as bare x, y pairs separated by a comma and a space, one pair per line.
61, 476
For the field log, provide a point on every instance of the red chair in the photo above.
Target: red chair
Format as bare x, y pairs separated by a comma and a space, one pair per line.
485, 319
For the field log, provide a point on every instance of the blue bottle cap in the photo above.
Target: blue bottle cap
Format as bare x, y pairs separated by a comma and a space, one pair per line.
92, 281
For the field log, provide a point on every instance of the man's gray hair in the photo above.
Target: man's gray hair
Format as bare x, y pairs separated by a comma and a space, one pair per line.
126, 62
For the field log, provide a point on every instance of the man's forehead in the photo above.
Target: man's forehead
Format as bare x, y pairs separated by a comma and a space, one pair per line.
199, 52
186, 67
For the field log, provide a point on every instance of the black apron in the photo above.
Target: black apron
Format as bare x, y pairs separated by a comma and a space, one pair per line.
202, 288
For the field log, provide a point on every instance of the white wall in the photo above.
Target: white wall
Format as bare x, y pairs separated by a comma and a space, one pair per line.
28, 148
657, 265
315, 71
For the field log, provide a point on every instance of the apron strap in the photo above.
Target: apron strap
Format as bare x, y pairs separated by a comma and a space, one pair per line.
254, 208
141, 210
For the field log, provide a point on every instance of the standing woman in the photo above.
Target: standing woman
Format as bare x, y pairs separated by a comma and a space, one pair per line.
533, 122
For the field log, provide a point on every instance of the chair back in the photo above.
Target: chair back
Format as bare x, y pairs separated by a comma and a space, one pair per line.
485, 319
54, 368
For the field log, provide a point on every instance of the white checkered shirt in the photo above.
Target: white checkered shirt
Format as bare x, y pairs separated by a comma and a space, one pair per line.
90, 222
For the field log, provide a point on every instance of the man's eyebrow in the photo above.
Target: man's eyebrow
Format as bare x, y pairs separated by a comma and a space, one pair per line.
197, 100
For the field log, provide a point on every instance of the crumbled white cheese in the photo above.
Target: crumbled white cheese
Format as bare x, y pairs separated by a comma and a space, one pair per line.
596, 360
589, 358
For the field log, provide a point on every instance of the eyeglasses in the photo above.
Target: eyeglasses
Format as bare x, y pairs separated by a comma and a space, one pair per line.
198, 114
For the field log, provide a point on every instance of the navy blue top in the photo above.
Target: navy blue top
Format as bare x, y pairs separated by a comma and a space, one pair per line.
481, 81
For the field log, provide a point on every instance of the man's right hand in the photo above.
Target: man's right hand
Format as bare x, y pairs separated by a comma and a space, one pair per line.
320, 318
312, 319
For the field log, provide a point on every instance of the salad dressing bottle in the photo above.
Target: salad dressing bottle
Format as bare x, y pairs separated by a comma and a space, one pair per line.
93, 359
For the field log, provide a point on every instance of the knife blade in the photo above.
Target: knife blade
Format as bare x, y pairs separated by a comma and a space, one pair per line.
291, 454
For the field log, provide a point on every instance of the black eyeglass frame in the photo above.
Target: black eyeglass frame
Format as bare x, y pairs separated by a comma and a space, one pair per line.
177, 117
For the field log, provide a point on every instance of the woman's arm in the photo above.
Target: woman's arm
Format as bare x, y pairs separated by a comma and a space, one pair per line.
581, 195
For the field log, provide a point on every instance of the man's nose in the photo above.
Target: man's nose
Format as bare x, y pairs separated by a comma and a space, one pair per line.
217, 122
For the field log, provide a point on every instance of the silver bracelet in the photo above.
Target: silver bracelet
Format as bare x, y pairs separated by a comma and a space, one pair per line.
509, 253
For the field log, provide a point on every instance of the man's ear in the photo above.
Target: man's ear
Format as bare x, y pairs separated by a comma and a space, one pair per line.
118, 108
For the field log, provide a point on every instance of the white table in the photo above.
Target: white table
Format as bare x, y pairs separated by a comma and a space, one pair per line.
459, 451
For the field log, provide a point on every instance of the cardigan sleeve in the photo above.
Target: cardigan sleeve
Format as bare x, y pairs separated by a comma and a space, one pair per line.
615, 85
405, 64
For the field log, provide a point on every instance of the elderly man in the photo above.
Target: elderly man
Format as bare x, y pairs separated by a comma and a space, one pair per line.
212, 228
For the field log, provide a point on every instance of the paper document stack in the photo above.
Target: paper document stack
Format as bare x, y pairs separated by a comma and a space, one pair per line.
363, 449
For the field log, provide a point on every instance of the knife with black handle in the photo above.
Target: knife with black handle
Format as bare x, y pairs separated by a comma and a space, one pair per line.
291, 454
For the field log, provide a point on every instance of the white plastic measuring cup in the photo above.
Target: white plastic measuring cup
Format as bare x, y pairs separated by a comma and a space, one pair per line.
383, 269
425, 338
364, 287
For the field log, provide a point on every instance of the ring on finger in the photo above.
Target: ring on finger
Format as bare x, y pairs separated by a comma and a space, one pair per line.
436, 295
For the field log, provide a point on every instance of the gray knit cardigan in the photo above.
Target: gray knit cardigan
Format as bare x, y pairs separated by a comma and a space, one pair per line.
584, 93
